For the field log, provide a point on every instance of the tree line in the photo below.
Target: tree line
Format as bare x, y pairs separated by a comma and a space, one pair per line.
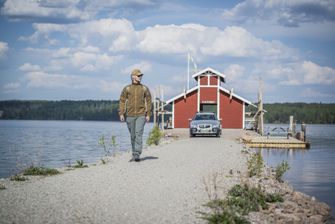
59, 110
107, 110
310, 113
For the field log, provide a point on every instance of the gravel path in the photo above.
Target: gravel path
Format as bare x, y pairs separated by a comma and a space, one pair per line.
167, 186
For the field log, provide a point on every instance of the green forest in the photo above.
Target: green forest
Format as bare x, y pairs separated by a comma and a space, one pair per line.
311, 113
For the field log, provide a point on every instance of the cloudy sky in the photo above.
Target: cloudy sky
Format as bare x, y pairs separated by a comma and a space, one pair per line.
82, 49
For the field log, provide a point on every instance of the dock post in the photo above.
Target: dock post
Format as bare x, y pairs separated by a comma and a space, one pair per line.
303, 129
162, 106
155, 110
290, 129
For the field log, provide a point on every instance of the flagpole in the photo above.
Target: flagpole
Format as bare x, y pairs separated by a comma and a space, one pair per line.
188, 71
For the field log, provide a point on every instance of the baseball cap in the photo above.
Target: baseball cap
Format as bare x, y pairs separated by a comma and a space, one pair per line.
136, 72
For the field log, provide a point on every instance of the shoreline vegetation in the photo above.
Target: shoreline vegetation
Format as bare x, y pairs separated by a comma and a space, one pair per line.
107, 110
250, 192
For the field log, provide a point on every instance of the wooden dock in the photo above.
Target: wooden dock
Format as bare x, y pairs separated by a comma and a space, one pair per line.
274, 142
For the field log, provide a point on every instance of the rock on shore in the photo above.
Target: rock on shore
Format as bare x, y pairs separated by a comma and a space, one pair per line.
296, 208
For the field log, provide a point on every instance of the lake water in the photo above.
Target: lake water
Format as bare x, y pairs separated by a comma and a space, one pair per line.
312, 170
56, 143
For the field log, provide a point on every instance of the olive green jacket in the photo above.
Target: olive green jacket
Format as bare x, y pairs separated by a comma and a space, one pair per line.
135, 100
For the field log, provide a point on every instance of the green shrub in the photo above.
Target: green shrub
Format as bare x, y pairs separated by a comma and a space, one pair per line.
108, 147
2, 186
80, 164
240, 201
255, 164
272, 198
155, 136
222, 213
17, 178
281, 168
40, 171
246, 199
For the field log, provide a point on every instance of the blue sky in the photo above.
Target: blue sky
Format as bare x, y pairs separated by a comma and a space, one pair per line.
77, 50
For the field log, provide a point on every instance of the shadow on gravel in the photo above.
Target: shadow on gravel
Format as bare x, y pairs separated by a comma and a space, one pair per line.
145, 158
149, 158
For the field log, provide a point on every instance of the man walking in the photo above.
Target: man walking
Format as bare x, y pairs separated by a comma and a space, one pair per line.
135, 108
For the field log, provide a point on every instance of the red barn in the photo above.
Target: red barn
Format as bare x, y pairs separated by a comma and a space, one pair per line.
209, 96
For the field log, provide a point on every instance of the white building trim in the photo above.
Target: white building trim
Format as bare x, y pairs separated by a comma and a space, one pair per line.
218, 99
198, 100
173, 114
243, 116
209, 70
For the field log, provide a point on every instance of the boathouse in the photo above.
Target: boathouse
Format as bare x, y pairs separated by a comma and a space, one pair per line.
209, 96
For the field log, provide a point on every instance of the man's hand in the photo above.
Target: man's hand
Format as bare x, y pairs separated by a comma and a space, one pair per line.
121, 117
147, 118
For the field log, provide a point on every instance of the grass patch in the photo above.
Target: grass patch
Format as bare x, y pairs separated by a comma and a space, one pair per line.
2, 187
40, 171
255, 164
18, 178
281, 168
155, 136
241, 200
80, 164
110, 146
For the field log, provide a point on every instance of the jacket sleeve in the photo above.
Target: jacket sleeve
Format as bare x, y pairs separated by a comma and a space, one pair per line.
148, 101
122, 101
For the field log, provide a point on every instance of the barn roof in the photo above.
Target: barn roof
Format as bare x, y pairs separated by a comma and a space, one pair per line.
221, 88
209, 71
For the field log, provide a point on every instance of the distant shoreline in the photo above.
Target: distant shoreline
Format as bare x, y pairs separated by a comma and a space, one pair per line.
107, 110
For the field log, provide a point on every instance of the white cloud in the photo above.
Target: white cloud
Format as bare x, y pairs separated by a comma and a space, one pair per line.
285, 13
44, 9
312, 93
36, 77
66, 10
301, 73
86, 58
208, 41
41, 79
115, 87
3, 49
91, 62
27, 67
43, 30
144, 66
11, 87
167, 39
315, 74
119, 35
234, 72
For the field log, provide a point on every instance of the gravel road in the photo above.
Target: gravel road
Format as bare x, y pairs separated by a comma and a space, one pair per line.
167, 186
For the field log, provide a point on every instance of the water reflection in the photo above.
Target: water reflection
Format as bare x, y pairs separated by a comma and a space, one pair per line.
312, 170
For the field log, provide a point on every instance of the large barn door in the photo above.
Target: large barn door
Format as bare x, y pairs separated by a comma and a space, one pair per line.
208, 108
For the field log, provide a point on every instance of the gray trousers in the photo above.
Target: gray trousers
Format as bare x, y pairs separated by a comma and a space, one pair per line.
136, 127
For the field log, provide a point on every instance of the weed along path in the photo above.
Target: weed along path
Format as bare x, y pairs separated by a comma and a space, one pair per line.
169, 185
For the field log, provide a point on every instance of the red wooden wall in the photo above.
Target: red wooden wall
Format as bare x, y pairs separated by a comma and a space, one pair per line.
185, 109
208, 94
231, 111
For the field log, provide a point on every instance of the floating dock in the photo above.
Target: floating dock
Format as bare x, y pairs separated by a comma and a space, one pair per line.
274, 142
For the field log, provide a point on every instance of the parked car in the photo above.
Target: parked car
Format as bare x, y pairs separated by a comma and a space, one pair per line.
205, 124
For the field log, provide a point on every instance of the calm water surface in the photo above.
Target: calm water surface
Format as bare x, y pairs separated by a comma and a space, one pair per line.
312, 170
56, 143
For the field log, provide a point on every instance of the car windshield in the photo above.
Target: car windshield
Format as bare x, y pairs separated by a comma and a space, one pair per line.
205, 117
